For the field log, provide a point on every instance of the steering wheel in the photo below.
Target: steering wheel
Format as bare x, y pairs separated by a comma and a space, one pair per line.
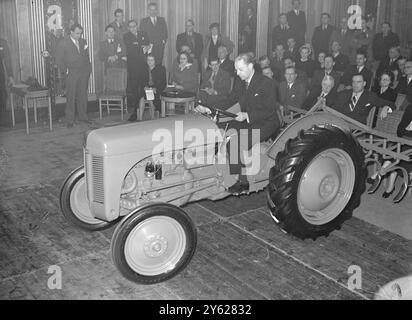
217, 113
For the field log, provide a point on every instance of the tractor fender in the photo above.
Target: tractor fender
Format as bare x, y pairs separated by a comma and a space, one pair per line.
305, 123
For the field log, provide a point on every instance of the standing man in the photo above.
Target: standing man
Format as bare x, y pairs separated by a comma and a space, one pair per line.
137, 45
120, 27
191, 39
72, 57
297, 21
281, 33
384, 41
156, 29
112, 51
6, 72
323, 35
344, 36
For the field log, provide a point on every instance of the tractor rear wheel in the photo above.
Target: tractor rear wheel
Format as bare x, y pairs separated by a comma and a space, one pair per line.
317, 182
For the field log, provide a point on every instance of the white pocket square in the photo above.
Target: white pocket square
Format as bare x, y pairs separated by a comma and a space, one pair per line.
294, 96
368, 105
257, 94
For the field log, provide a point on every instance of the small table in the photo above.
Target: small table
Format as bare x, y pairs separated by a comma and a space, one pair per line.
170, 99
30, 96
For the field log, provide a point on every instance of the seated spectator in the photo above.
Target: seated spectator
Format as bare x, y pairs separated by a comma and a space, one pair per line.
305, 63
282, 32
324, 94
341, 60
292, 49
156, 80
329, 70
277, 62
224, 61
404, 131
112, 51
390, 62
268, 72
292, 92
216, 85
384, 90
400, 73
361, 68
186, 48
288, 62
185, 75
321, 60
383, 41
263, 62
357, 102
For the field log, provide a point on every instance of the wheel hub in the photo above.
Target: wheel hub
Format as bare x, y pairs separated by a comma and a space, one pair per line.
328, 188
155, 246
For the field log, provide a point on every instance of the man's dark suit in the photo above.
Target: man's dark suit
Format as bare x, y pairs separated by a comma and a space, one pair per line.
345, 39
229, 66
281, 36
341, 62
387, 65
157, 34
77, 63
222, 85
294, 54
321, 39
320, 75
361, 111
6, 71
351, 71
298, 25
295, 96
136, 65
381, 45
405, 88
109, 49
259, 102
195, 43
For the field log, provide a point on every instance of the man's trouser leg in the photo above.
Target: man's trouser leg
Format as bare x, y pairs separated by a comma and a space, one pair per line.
82, 96
71, 85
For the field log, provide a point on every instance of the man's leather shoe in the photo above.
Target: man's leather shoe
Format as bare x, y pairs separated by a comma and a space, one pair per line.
239, 188
133, 117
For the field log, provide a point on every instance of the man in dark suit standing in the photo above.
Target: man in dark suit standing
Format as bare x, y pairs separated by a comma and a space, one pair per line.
72, 57
225, 63
216, 85
137, 45
120, 27
323, 35
361, 68
6, 72
156, 28
358, 102
281, 33
344, 36
297, 21
383, 41
259, 113
112, 51
191, 39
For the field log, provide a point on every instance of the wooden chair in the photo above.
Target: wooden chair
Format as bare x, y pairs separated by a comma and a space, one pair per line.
114, 93
400, 102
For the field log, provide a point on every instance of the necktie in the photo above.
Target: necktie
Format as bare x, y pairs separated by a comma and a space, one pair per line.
354, 102
212, 80
323, 95
77, 45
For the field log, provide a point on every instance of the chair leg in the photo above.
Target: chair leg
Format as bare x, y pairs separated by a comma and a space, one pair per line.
152, 110
35, 111
50, 115
100, 109
141, 108
121, 109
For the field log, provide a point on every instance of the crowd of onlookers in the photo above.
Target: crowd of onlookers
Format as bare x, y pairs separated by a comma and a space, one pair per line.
349, 70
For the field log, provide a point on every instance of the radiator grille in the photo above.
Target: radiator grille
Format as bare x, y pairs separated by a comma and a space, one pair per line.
98, 179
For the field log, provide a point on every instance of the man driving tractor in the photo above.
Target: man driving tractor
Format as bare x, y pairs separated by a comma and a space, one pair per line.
259, 114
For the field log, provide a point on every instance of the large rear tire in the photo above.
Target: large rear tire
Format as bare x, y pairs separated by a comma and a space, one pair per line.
317, 182
154, 243
75, 205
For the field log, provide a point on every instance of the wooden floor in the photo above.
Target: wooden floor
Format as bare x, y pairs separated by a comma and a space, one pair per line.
241, 254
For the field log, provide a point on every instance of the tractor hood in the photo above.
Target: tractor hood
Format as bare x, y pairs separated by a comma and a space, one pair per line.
174, 132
